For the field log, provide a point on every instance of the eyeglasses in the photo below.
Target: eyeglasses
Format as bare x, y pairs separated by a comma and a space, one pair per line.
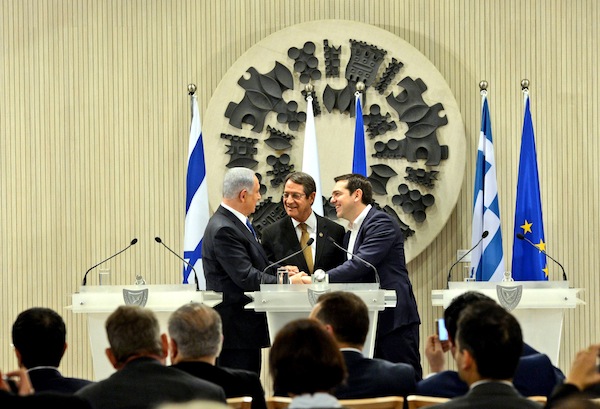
295, 196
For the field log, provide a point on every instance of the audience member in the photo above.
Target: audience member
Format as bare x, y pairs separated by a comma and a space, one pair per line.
535, 374
582, 382
196, 338
39, 337
289, 234
233, 262
488, 346
24, 396
346, 318
138, 352
377, 239
306, 364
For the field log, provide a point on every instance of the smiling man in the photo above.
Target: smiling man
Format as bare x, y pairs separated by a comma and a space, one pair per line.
290, 234
376, 238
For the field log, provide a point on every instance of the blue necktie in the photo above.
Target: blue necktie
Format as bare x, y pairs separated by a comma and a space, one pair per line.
251, 229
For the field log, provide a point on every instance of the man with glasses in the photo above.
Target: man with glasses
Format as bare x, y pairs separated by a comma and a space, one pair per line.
290, 234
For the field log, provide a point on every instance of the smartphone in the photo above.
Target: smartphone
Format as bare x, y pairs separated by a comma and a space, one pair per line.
440, 327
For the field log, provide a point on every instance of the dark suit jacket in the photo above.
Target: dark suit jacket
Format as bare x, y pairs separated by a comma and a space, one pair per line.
491, 395
370, 378
381, 242
279, 240
50, 379
144, 383
535, 375
235, 382
233, 263
42, 400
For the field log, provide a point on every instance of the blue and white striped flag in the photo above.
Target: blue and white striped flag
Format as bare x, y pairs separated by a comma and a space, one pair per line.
196, 202
487, 259
359, 159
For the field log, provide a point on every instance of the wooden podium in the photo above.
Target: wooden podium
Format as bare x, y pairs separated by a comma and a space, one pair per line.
286, 302
538, 306
99, 301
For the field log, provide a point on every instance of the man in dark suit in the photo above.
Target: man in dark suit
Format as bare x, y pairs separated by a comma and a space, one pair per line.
535, 375
376, 238
39, 337
346, 316
142, 381
285, 236
16, 392
233, 261
196, 337
488, 346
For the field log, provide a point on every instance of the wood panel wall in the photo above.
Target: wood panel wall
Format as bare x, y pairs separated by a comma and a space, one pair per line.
94, 121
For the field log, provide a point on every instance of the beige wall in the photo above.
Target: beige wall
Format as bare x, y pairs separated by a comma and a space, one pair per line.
95, 114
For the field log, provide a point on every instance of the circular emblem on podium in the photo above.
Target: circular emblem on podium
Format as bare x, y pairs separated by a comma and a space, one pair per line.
415, 137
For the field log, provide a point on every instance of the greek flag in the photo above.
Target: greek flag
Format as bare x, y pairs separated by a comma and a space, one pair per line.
359, 160
528, 264
487, 259
196, 202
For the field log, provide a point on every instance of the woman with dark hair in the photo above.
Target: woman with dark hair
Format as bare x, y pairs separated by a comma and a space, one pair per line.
306, 364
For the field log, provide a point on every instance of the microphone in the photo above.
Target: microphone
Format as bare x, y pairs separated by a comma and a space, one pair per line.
308, 243
331, 239
84, 282
158, 240
521, 237
483, 236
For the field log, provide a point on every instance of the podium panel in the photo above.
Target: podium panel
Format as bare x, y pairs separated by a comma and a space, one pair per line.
283, 303
98, 302
538, 306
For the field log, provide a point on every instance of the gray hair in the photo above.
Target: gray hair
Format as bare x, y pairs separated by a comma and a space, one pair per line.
133, 330
197, 329
236, 180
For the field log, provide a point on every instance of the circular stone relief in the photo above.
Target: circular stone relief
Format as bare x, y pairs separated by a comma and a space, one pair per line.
414, 132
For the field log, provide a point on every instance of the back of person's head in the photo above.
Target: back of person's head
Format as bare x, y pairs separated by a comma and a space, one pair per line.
355, 181
493, 337
236, 180
197, 330
133, 330
305, 359
347, 314
456, 307
39, 335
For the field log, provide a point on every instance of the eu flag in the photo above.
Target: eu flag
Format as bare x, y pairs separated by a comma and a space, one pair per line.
359, 159
529, 262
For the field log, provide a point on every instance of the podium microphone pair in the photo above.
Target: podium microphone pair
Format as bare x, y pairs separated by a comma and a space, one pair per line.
483, 236
134, 241
522, 237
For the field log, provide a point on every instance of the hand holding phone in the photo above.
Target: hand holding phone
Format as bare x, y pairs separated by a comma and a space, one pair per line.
440, 328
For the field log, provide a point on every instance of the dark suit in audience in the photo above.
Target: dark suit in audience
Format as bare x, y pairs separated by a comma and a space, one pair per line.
196, 339
488, 345
16, 392
39, 337
142, 381
535, 376
346, 317
582, 383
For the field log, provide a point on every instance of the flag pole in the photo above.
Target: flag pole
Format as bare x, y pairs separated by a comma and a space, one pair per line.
310, 155
191, 92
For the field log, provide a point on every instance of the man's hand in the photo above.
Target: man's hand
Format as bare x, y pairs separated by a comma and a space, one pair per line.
298, 278
584, 370
434, 351
21, 379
